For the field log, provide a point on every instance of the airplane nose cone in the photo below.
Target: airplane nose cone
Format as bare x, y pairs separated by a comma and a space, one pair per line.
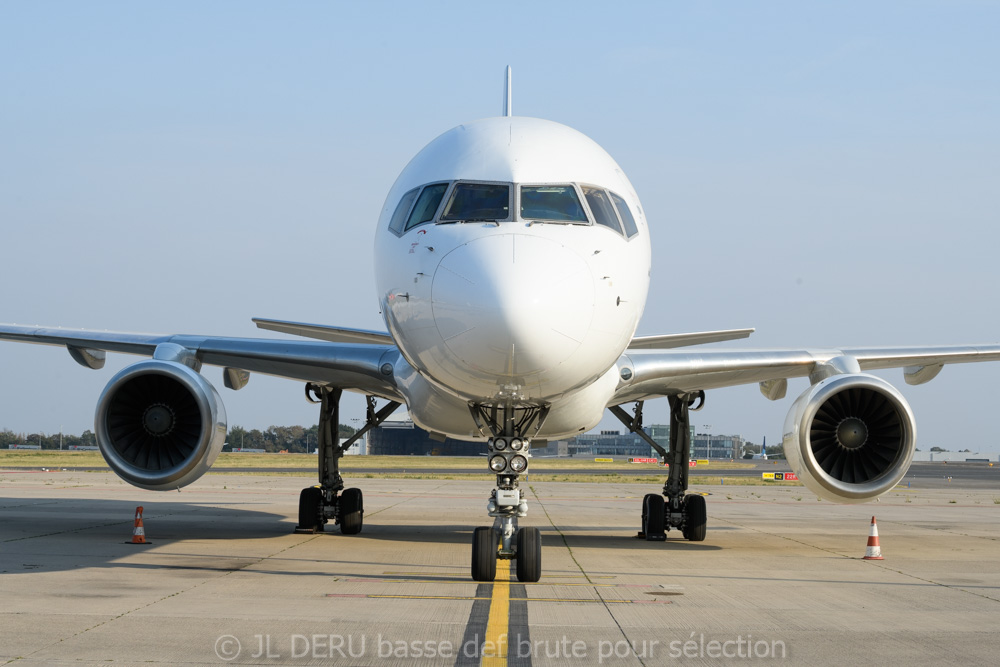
512, 305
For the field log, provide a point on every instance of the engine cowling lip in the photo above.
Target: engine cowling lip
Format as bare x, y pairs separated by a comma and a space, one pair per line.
213, 427
802, 457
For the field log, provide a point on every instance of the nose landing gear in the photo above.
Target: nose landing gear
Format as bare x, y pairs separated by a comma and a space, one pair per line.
504, 539
508, 459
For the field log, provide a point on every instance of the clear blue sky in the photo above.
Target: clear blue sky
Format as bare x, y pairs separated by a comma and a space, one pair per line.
828, 173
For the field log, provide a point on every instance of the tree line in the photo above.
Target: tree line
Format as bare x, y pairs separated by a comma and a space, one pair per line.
297, 439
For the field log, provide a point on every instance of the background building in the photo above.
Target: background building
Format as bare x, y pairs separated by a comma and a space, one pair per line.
708, 446
403, 438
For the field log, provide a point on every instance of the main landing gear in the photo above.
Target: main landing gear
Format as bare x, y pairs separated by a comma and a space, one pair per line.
329, 499
673, 507
509, 452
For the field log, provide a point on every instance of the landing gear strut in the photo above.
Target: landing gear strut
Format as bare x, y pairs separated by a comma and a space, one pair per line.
509, 452
329, 499
673, 508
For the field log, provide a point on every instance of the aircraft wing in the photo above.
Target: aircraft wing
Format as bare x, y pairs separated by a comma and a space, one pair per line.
659, 373
352, 366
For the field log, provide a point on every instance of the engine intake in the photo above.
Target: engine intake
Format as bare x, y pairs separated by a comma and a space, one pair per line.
160, 425
850, 438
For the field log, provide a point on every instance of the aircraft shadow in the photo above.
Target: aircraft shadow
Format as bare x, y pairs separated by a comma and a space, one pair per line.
462, 535
51, 534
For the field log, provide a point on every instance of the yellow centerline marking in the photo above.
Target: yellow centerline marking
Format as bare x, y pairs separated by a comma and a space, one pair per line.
375, 596
495, 648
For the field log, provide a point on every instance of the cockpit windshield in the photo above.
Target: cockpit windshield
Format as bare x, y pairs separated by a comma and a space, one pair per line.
427, 205
558, 203
600, 205
478, 201
561, 203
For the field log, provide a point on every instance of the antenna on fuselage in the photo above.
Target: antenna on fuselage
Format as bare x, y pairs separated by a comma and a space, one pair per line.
507, 110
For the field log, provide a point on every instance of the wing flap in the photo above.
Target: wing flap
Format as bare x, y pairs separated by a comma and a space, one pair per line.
687, 339
324, 332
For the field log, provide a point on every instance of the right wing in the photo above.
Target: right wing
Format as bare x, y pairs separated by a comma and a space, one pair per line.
325, 332
352, 366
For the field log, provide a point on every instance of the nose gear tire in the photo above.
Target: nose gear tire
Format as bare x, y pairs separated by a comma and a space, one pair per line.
529, 555
484, 554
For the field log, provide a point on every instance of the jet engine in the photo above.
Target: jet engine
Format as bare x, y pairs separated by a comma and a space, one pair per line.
160, 425
850, 438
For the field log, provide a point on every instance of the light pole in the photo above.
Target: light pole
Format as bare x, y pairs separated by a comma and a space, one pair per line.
357, 427
708, 439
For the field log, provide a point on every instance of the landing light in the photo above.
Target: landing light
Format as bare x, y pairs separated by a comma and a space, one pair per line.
518, 463
500, 444
498, 463
517, 444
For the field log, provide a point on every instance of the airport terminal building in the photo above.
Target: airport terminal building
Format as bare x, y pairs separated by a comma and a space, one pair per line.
404, 438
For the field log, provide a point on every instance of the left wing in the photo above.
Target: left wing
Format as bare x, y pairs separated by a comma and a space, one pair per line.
648, 374
352, 366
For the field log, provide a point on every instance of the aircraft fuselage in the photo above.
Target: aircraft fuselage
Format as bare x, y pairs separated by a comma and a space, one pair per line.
512, 261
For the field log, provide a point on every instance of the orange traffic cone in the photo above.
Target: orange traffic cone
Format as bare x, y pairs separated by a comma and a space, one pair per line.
138, 532
874, 551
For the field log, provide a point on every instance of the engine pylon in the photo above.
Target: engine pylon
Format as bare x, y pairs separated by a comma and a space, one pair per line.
874, 551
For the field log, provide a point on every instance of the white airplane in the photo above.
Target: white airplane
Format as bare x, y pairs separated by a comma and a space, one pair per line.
513, 264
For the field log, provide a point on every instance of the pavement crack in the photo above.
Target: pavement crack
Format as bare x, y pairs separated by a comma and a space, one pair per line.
878, 564
407, 499
783, 537
938, 530
586, 576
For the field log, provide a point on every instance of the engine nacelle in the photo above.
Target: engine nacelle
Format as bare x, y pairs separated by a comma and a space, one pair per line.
160, 425
850, 438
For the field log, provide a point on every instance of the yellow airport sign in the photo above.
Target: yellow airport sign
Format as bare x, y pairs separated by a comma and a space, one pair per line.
767, 475
703, 462
604, 460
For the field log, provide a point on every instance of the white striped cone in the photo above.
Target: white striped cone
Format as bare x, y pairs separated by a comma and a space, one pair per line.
874, 551
138, 531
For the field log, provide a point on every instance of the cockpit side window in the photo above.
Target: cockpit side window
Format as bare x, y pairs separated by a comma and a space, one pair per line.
427, 205
558, 203
600, 206
478, 202
631, 229
399, 215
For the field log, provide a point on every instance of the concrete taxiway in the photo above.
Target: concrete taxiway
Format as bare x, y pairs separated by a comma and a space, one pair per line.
780, 577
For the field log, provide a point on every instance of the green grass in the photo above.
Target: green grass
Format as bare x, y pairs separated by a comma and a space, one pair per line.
405, 467
47, 458
55, 458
